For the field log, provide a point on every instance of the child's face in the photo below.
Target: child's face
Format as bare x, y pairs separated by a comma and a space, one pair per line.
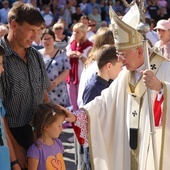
1, 65
54, 130
115, 70
78, 34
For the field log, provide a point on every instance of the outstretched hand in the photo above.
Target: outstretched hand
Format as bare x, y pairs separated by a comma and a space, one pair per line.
151, 81
70, 116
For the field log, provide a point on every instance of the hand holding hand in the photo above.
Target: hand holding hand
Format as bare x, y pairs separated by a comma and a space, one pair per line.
21, 155
72, 54
78, 54
151, 81
16, 167
75, 54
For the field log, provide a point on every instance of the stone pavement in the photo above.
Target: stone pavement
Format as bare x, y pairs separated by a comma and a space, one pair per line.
68, 149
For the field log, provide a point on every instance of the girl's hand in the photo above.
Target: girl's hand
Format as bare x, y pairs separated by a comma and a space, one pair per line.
78, 54
72, 54
75, 54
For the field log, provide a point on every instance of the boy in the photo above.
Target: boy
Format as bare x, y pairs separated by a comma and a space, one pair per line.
108, 69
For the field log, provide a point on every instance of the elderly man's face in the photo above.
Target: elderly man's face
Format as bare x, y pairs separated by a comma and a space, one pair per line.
132, 58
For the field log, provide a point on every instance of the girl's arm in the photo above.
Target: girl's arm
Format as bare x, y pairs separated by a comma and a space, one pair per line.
33, 164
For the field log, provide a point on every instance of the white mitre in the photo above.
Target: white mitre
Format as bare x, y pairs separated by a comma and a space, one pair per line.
124, 30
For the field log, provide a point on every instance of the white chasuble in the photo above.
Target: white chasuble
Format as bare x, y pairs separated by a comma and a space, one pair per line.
109, 126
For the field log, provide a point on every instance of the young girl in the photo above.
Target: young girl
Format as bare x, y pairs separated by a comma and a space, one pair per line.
46, 152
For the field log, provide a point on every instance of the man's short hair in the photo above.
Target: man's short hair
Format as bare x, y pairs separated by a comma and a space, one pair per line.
24, 12
106, 53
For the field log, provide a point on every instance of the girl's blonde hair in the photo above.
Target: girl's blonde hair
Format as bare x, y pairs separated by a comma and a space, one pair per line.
82, 27
103, 36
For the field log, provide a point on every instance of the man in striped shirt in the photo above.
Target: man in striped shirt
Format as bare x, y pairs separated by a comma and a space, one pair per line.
25, 81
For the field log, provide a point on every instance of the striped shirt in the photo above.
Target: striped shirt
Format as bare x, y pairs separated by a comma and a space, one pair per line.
23, 85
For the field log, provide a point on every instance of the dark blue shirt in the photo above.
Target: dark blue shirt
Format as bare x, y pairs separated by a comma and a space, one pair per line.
94, 89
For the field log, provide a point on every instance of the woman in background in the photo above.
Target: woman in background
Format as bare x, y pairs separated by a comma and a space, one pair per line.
61, 40
77, 52
57, 66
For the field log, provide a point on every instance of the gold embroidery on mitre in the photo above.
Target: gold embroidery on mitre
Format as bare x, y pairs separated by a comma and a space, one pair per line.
125, 36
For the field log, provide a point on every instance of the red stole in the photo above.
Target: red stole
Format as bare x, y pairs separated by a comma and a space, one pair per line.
157, 110
73, 74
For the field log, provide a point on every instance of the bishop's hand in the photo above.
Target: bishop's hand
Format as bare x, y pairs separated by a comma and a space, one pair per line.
151, 81
70, 116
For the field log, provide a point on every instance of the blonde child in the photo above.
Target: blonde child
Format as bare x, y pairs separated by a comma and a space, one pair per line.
47, 151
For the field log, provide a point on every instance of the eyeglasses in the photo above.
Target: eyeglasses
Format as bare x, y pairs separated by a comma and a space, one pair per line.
59, 28
124, 56
47, 39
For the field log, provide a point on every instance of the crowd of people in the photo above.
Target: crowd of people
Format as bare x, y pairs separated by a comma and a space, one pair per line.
82, 63
96, 10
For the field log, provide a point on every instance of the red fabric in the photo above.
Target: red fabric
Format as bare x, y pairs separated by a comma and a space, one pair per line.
73, 74
157, 110
77, 131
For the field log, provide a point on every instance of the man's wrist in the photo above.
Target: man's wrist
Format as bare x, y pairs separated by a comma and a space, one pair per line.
75, 118
14, 162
